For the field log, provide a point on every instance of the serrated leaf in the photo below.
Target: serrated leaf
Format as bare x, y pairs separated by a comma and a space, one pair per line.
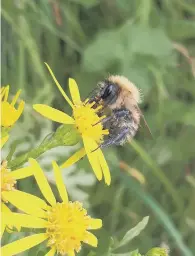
132, 233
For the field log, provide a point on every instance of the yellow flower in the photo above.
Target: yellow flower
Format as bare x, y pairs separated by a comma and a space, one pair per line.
8, 185
87, 122
65, 224
9, 114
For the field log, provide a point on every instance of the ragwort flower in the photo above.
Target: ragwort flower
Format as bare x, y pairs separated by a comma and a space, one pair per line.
8, 186
9, 114
87, 122
65, 224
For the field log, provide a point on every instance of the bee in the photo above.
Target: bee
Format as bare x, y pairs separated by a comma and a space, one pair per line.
120, 97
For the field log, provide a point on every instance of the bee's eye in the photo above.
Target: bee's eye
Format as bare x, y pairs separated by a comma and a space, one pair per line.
110, 94
108, 91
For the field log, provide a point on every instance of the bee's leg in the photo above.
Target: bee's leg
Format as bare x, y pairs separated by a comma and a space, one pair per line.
116, 139
118, 113
104, 120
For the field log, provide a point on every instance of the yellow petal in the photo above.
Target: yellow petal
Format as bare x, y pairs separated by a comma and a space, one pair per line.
42, 182
74, 158
4, 140
21, 173
3, 225
20, 109
26, 202
2, 89
90, 145
74, 91
53, 114
22, 244
71, 253
91, 239
6, 210
15, 98
59, 86
23, 220
9, 114
51, 252
104, 166
95, 224
59, 182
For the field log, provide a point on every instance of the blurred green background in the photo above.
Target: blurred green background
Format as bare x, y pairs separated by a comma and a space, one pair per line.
152, 42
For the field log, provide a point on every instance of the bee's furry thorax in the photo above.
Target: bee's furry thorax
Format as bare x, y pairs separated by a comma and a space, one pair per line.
129, 96
126, 86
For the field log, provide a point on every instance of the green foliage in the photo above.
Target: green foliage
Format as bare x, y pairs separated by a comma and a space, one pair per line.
132, 233
88, 40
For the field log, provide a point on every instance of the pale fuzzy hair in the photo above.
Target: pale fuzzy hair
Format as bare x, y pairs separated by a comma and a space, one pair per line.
124, 83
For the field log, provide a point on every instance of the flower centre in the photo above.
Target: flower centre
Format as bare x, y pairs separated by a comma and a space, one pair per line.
88, 122
67, 226
7, 181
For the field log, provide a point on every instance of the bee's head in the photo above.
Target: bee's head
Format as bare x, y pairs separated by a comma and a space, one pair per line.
108, 92
116, 91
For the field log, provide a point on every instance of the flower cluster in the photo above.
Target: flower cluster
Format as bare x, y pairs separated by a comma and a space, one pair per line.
60, 224
86, 121
9, 114
64, 225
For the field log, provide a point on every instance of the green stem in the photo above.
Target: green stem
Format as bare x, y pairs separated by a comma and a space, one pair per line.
65, 135
34, 153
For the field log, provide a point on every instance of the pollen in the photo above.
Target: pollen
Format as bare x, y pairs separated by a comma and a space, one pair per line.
7, 181
88, 123
67, 226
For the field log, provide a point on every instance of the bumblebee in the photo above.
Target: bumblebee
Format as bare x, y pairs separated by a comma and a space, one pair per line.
121, 98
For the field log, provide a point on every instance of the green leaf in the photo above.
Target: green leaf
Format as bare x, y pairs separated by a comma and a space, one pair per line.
121, 45
104, 50
132, 233
149, 41
104, 243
